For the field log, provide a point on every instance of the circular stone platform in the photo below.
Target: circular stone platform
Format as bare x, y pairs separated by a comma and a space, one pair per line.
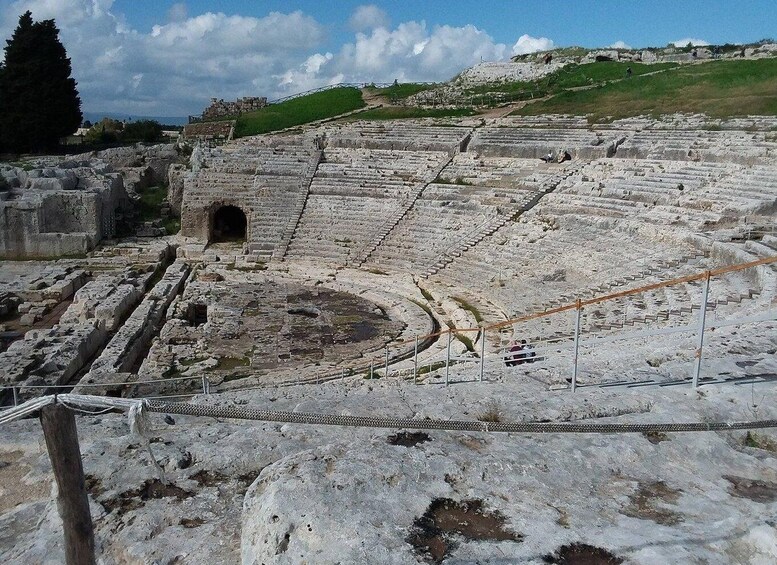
239, 330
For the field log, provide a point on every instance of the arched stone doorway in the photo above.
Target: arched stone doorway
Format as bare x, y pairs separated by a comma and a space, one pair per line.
229, 224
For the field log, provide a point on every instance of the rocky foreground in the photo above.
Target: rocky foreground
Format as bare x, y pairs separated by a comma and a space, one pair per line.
252, 492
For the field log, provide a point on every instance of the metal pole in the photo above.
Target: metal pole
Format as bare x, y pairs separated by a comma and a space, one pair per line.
577, 344
342, 376
371, 369
15, 397
204, 387
415, 362
702, 320
482, 352
387, 356
448, 357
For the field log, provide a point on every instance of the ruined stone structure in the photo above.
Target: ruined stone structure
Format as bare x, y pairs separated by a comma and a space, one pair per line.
308, 265
220, 109
62, 211
55, 207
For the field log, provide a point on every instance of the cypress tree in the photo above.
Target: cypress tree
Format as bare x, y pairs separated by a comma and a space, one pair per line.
39, 103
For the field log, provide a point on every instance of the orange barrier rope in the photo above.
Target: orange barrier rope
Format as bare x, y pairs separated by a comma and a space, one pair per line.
583, 303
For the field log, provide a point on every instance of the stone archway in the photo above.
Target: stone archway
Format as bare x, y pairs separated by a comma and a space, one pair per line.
229, 224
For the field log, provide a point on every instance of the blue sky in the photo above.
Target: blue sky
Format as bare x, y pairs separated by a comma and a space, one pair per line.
168, 58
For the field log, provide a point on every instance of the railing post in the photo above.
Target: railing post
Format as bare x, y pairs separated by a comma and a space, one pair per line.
482, 352
387, 359
61, 435
207, 385
15, 397
371, 369
415, 361
448, 357
577, 344
204, 386
702, 321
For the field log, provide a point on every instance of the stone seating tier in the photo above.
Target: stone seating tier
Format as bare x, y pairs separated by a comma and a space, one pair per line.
717, 146
536, 143
397, 135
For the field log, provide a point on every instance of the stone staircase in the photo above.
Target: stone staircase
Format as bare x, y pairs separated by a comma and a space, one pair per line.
278, 251
364, 254
489, 229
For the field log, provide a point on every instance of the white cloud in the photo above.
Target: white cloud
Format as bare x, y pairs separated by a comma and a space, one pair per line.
692, 41
176, 67
620, 45
368, 17
314, 63
410, 52
528, 44
177, 12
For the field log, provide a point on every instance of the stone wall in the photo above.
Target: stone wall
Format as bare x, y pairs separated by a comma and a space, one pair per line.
220, 109
55, 212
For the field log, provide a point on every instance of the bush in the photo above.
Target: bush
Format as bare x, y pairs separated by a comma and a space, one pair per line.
148, 131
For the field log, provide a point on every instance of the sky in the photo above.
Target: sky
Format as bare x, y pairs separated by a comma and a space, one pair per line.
165, 58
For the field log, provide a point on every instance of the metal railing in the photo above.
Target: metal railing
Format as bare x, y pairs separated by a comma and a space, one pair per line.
576, 338
571, 343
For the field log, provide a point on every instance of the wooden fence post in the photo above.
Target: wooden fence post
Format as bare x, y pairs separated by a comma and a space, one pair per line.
59, 429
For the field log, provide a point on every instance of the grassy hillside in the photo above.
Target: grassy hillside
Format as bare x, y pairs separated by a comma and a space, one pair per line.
717, 88
302, 110
409, 112
400, 91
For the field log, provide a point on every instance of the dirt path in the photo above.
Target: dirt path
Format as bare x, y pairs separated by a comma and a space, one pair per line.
372, 98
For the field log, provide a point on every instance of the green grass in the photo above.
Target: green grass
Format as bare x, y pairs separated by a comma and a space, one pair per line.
401, 91
466, 341
437, 365
172, 226
467, 306
573, 76
407, 112
719, 89
150, 202
302, 110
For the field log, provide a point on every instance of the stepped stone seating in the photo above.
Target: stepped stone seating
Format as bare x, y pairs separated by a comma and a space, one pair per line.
354, 192
742, 147
528, 142
403, 136
267, 183
261, 160
693, 194
575, 256
545, 121
471, 194
442, 215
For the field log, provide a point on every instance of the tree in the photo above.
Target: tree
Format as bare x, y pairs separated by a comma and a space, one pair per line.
142, 130
106, 130
39, 103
